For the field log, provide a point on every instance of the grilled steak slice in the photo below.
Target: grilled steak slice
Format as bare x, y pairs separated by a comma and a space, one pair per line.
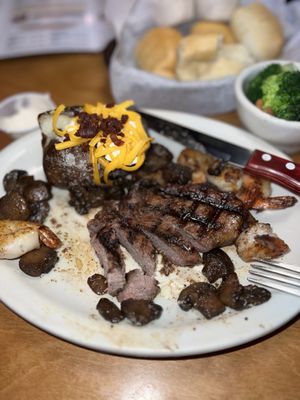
203, 297
151, 200
138, 245
173, 226
206, 194
138, 287
238, 297
174, 253
106, 245
217, 264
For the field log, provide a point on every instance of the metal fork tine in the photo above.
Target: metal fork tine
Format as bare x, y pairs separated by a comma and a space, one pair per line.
280, 264
277, 270
279, 278
274, 285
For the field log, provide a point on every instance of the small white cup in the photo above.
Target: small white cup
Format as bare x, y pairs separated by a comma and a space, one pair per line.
18, 113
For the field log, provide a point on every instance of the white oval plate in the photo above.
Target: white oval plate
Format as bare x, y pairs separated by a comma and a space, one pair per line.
62, 304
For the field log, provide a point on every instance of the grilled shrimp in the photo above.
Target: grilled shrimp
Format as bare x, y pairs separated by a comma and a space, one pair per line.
20, 237
254, 192
198, 162
225, 177
259, 242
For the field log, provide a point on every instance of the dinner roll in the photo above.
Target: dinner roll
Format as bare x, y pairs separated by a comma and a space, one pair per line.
199, 47
259, 30
191, 71
221, 68
194, 54
231, 59
204, 27
237, 52
156, 51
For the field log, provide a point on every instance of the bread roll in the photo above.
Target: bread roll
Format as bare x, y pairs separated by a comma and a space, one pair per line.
222, 68
191, 71
231, 59
237, 52
204, 27
199, 47
157, 51
259, 30
194, 54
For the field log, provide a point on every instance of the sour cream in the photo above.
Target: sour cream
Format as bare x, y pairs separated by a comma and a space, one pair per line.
18, 113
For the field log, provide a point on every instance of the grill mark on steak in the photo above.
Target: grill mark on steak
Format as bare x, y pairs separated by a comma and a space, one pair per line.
174, 253
137, 244
177, 221
176, 227
207, 195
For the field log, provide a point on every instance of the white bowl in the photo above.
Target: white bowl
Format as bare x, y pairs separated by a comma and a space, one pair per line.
18, 113
281, 133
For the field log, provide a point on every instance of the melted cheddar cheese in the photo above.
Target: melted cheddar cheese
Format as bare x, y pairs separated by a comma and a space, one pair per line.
128, 153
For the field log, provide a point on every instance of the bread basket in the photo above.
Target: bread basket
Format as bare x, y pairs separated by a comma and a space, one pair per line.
153, 91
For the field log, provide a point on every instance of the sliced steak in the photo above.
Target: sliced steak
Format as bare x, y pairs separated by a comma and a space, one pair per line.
174, 253
171, 225
206, 194
138, 287
107, 247
139, 246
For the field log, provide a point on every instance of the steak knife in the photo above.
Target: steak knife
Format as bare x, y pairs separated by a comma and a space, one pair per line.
261, 163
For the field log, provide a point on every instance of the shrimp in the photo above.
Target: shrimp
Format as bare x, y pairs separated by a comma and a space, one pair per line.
259, 242
254, 192
20, 237
198, 162
225, 177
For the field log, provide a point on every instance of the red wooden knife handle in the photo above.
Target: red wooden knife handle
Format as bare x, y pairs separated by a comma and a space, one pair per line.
284, 172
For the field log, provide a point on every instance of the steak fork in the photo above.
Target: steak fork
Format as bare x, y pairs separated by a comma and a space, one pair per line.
276, 275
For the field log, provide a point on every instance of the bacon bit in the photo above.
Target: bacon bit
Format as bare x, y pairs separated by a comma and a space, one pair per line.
89, 125
110, 105
111, 125
116, 140
124, 118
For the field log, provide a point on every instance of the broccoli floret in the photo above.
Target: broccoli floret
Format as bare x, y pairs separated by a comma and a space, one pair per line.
281, 93
253, 90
